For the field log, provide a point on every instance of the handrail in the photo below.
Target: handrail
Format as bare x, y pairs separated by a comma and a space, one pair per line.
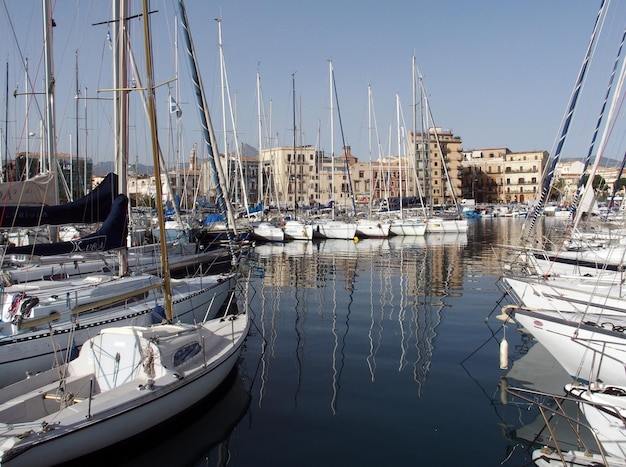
107, 301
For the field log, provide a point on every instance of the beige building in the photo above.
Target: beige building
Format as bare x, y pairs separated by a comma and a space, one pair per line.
498, 175
439, 163
311, 177
570, 172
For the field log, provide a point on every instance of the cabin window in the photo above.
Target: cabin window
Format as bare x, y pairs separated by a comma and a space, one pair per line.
185, 353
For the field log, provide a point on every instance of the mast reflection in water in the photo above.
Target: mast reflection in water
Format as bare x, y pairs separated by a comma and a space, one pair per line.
373, 353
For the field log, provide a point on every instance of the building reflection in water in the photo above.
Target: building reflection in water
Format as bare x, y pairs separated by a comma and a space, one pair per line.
342, 303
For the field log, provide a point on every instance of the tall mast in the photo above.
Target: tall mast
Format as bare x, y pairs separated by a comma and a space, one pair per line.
208, 133
76, 139
293, 91
345, 149
120, 13
48, 24
260, 169
5, 162
332, 138
223, 91
156, 160
399, 154
529, 224
26, 89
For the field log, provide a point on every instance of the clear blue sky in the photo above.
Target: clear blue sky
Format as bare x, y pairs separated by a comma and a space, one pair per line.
498, 73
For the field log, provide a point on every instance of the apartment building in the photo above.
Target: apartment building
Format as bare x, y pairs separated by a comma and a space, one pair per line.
498, 175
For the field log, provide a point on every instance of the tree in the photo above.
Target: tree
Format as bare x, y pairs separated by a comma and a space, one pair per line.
620, 184
599, 183
556, 190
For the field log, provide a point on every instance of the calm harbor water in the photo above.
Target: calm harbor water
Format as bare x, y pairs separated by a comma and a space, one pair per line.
381, 352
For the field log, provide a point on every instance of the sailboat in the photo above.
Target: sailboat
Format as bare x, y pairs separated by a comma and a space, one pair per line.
332, 227
580, 320
405, 224
126, 379
453, 222
263, 229
43, 322
372, 226
294, 227
568, 439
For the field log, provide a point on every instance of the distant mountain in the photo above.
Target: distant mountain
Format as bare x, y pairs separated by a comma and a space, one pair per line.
605, 162
249, 151
103, 168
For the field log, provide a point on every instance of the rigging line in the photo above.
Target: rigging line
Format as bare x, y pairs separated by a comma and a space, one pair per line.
19, 51
208, 132
343, 140
564, 130
576, 200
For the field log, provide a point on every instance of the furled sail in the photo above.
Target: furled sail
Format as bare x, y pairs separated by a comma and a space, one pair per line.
111, 235
91, 209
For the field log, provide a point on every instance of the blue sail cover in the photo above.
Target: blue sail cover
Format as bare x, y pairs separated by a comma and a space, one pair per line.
90, 209
213, 218
112, 234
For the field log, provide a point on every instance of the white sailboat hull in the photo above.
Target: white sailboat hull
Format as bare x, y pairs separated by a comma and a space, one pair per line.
339, 230
36, 350
569, 295
297, 230
602, 409
110, 410
408, 227
268, 232
589, 350
437, 224
372, 228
